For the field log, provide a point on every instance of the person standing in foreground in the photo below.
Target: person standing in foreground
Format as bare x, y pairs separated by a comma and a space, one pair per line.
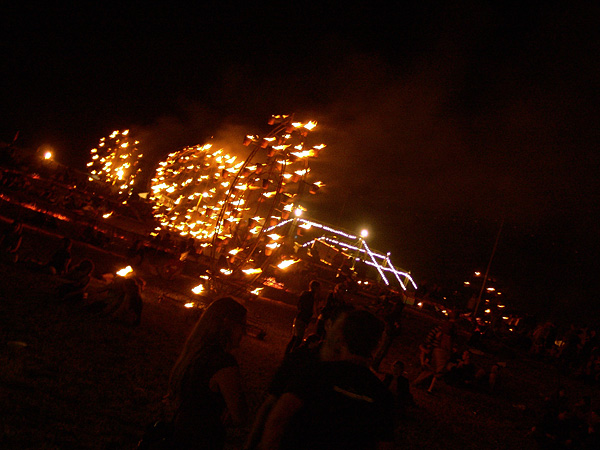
205, 393
306, 307
339, 402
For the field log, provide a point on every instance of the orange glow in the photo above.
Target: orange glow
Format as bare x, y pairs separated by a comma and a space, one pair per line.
198, 289
125, 271
287, 263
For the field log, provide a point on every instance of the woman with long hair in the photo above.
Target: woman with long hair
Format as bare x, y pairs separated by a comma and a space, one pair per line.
205, 393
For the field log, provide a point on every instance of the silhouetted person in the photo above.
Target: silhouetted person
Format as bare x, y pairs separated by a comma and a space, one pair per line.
334, 300
337, 403
439, 343
205, 393
76, 282
60, 260
312, 350
392, 316
306, 307
399, 386
11, 240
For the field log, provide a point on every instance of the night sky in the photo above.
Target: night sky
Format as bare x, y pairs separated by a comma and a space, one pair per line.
442, 122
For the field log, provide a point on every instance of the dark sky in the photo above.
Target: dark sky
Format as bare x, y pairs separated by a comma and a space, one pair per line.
442, 121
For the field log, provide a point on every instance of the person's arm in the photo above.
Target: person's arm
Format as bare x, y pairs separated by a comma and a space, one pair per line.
228, 381
281, 414
259, 422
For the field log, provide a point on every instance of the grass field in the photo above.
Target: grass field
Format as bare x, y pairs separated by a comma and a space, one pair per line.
72, 380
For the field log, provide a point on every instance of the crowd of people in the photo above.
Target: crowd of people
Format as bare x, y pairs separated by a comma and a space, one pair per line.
328, 391
566, 423
575, 350
114, 296
324, 395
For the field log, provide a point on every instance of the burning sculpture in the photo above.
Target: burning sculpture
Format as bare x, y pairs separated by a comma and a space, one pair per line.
229, 205
116, 161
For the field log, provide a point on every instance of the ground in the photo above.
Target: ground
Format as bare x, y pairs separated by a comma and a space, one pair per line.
72, 380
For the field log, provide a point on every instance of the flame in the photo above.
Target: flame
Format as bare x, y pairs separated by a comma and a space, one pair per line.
125, 271
252, 271
189, 305
287, 263
118, 160
201, 191
256, 291
107, 215
198, 289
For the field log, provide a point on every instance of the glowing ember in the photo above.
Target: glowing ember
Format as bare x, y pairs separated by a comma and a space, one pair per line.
116, 161
107, 215
252, 271
228, 199
189, 305
256, 291
198, 289
287, 263
125, 271
189, 189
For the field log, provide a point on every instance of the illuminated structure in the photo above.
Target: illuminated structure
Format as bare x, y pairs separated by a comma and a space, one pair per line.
190, 188
205, 194
354, 247
116, 161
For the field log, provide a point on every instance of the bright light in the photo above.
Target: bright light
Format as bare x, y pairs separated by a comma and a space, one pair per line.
198, 289
364, 233
491, 289
477, 274
297, 212
48, 155
287, 263
125, 271
189, 305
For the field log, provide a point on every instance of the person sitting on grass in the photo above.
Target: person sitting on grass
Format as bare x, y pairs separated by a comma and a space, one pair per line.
120, 299
464, 373
312, 350
205, 388
61, 259
128, 304
439, 343
76, 282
